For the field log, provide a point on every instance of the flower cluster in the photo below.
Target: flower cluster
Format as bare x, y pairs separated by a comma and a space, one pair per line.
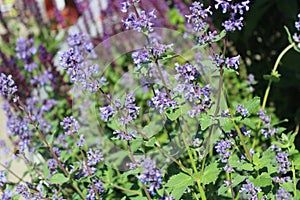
91, 192
125, 136
296, 37
151, 176
229, 63
25, 50
282, 194
268, 130
198, 16
76, 63
7, 85
94, 157
240, 110
223, 148
186, 73
3, 178
234, 9
128, 111
251, 190
142, 22
161, 101
70, 125
283, 162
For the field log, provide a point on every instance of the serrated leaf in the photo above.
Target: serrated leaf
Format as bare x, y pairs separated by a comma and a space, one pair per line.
179, 180
211, 174
253, 105
226, 124
179, 183
58, 179
288, 186
150, 143
263, 180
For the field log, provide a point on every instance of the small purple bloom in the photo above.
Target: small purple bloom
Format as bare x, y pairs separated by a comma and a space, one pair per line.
283, 162
7, 195
106, 112
81, 141
25, 50
161, 101
224, 149
233, 63
123, 136
240, 110
94, 157
282, 194
151, 176
70, 125
198, 16
233, 24
250, 190
21, 189
7, 85
91, 192
297, 24
3, 178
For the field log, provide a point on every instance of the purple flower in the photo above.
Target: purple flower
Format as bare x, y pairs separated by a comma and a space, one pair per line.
240, 110
217, 60
224, 4
250, 190
7, 85
106, 112
151, 176
140, 57
129, 111
7, 195
124, 6
125, 136
282, 194
225, 113
232, 63
281, 180
52, 165
198, 16
94, 157
233, 24
70, 125
3, 178
143, 22
245, 132
223, 148
297, 24
21, 189
207, 38
91, 192
241, 7
283, 162
25, 51
161, 101
186, 73
81, 141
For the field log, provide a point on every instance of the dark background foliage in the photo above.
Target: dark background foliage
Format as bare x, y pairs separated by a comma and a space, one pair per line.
260, 42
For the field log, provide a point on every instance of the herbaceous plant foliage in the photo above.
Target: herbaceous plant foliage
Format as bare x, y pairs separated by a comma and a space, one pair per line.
141, 109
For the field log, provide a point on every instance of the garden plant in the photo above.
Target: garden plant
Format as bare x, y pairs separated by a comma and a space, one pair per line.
145, 107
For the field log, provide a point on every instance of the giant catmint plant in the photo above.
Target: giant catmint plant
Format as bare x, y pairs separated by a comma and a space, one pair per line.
147, 117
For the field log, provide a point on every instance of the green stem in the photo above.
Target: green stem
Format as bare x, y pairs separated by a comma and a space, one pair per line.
294, 179
273, 71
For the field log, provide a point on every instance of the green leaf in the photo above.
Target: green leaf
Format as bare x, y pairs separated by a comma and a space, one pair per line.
275, 77
263, 180
253, 105
178, 184
205, 121
58, 179
150, 143
211, 174
288, 186
179, 180
220, 36
173, 114
175, 17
